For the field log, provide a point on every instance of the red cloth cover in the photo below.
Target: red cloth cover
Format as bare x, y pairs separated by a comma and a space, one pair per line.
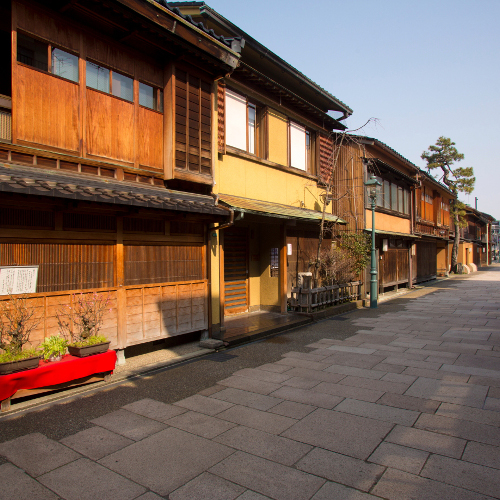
58, 372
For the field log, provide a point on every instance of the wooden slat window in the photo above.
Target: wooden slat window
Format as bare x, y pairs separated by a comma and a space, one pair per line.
221, 118
193, 124
63, 266
325, 157
146, 264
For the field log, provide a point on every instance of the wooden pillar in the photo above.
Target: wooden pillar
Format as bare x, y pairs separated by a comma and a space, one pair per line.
121, 294
222, 296
410, 281
283, 268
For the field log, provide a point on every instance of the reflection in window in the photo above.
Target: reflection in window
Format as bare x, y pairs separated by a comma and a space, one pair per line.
32, 52
274, 262
122, 86
97, 77
65, 65
150, 97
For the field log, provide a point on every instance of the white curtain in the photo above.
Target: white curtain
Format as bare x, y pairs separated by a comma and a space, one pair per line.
236, 120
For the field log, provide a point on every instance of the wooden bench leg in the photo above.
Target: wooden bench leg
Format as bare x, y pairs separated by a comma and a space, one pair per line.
6, 404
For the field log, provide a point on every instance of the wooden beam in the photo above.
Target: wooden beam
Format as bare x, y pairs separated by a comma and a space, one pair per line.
283, 268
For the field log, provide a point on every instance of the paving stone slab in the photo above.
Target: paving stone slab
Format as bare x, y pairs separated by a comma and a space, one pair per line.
207, 487
201, 424
356, 372
341, 469
301, 382
335, 491
246, 398
438, 375
302, 363
482, 454
492, 404
355, 350
86, 480
96, 442
484, 480
264, 375
399, 378
346, 391
427, 441
409, 402
460, 428
448, 391
149, 496
129, 424
471, 370
167, 460
273, 367
307, 397
292, 409
202, 404
385, 367
354, 360
399, 457
478, 361
320, 376
340, 432
153, 409
378, 412
251, 385
467, 413
37, 454
17, 485
305, 356
414, 363
211, 390
264, 445
399, 485
256, 419
252, 495
377, 385
269, 478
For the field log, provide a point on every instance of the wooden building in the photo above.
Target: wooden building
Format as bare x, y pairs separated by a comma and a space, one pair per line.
273, 142
412, 209
476, 238
107, 154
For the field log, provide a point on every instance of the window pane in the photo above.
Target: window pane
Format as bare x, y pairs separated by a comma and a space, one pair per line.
400, 199
380, 193
251, 128
123, 86
236, 120
146, 96
97, 77
297, 146
387, 194
394, 197
407, 202
65, 65
32, 52
160, 105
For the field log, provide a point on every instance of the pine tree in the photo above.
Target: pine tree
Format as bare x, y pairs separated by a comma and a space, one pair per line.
443, 155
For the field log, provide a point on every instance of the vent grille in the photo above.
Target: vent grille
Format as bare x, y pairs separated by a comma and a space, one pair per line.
5, 125
89, 222
137, 225
18, 217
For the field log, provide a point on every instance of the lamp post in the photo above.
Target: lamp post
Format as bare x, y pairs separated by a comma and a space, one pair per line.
371, 185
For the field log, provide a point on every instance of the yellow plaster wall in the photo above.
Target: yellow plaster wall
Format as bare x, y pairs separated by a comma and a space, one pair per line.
213, 249
441, 257
385, 222
239, 176
464, 256
278, 137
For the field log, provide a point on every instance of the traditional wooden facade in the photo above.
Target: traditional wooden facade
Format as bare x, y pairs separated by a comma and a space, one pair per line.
273, 142
476, 239
107, 153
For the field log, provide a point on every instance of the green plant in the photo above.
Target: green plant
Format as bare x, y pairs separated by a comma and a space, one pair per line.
53, 346
82, 321
96, 339
6, 356
17, 321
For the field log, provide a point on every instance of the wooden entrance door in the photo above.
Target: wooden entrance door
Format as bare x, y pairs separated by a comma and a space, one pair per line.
235, 270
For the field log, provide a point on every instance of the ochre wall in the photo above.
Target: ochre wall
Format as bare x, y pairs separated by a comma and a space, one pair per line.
269, 286
385, 222
278, 137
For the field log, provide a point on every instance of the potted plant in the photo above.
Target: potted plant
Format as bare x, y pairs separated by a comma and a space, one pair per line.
53, 348
17, 321
82, 321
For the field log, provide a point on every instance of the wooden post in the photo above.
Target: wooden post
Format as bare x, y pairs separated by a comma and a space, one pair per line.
222, 296
283, 268
121, 293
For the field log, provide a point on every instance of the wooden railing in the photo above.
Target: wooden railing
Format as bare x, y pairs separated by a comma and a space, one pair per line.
312, 299
432, 230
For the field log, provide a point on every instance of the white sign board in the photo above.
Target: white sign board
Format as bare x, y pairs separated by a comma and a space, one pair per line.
18, 279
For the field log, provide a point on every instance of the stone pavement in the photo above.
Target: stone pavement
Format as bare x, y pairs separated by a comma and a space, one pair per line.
407, 408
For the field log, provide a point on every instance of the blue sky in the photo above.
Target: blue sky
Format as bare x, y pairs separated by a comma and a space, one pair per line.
424, 68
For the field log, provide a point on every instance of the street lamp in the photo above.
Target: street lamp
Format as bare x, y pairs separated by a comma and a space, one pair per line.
371, 184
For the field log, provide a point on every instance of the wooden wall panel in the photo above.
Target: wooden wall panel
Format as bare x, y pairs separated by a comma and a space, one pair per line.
111, 55
110, 127
150, 139
47, 26
47, 110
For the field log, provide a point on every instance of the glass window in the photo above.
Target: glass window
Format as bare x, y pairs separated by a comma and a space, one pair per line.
394, 197
274, 268
32, 52
251, 128
97, 77
123, 86
407, 202
236, 120
297, 146
65, 64
400, 199
380, 193
150, 97
387, 194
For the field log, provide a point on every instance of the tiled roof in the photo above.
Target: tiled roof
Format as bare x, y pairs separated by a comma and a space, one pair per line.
40, 182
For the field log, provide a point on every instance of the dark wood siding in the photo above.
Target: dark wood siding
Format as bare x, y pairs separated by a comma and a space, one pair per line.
426, 260
235, 270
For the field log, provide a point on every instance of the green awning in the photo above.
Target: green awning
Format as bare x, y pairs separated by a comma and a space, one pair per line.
269, 209
392, 233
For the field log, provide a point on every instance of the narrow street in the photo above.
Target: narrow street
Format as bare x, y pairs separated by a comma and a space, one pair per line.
399, 403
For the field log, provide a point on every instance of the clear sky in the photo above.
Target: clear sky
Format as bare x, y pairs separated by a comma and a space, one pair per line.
424, 68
